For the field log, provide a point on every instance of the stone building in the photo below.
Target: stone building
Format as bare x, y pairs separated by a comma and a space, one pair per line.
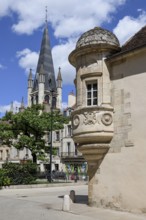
109, 120
11, 154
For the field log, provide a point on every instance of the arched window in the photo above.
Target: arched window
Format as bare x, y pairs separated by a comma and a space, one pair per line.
32, 101
50, 83
36, 99
54, 102
47, 99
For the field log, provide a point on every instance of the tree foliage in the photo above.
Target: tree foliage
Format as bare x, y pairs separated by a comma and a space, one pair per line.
19, 173
28, 128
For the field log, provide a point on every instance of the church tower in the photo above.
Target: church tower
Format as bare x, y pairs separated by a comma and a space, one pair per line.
22, 107
59, 89
29, 88
43, 89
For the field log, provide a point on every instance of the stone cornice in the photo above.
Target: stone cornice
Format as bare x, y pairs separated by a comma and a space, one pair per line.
125, 54
90, 49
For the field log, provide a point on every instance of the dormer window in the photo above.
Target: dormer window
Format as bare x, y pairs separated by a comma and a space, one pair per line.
92, 93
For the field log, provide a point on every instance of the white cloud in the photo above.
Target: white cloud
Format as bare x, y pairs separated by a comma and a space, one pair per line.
64, 105
2, 66
83, 15
60, 56
128, 26
27, 59
69, 18
4, 108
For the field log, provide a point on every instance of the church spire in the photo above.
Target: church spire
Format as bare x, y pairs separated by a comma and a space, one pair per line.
45, 59
30, 80
22, 107
22, 103
59, 89
46, 18
59, 79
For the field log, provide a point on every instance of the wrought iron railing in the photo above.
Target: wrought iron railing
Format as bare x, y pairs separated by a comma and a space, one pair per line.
70, 154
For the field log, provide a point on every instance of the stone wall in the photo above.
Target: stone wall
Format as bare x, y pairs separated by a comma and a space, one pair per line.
121, 183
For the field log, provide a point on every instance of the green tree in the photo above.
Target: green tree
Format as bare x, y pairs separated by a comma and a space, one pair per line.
28, 128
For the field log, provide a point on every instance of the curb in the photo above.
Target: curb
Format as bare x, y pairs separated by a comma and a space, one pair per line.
30, 186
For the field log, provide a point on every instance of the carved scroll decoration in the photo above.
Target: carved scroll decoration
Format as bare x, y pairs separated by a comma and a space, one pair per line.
90, 118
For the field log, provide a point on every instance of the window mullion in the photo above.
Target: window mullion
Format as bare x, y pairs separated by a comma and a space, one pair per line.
92, 93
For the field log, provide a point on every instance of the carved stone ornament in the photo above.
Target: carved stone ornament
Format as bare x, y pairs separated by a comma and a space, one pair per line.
107, 119
90, 118
76, 121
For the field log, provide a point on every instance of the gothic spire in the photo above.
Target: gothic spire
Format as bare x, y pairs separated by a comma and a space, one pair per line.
30, 80
59, 77
22, 107
22, 103
45, 59
46, 18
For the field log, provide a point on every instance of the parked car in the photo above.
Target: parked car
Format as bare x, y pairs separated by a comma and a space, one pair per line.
57, 175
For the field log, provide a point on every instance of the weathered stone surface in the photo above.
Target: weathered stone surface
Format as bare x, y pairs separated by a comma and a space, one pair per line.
97, 36
93, 125
121, 183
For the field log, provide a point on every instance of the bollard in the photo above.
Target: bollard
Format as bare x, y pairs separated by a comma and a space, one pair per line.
72, 196
66, 203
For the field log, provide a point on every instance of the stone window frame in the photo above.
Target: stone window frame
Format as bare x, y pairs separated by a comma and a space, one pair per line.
97, 77
69, 130
93, 91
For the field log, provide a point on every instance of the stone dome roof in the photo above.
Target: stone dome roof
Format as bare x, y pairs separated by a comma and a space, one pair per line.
98, 36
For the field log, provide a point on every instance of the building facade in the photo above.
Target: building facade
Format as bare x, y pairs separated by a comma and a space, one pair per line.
109, 119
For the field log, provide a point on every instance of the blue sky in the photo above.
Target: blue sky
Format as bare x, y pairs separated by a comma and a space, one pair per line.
22, 23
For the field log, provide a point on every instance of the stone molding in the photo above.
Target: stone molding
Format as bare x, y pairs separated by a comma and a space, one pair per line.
107, 119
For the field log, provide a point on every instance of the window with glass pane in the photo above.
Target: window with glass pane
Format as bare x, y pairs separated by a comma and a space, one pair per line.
69, 130
92, 91
57, 136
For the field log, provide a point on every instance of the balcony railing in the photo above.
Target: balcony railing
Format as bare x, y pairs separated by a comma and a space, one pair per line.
70, 154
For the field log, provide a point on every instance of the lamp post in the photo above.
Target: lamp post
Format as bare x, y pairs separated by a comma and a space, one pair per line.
51, 128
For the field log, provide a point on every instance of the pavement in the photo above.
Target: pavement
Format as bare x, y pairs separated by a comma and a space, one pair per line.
45, 203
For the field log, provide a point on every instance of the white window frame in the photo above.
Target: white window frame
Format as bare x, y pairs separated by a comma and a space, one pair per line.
92, 91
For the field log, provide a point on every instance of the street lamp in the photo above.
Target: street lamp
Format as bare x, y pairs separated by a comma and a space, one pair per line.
51, 132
